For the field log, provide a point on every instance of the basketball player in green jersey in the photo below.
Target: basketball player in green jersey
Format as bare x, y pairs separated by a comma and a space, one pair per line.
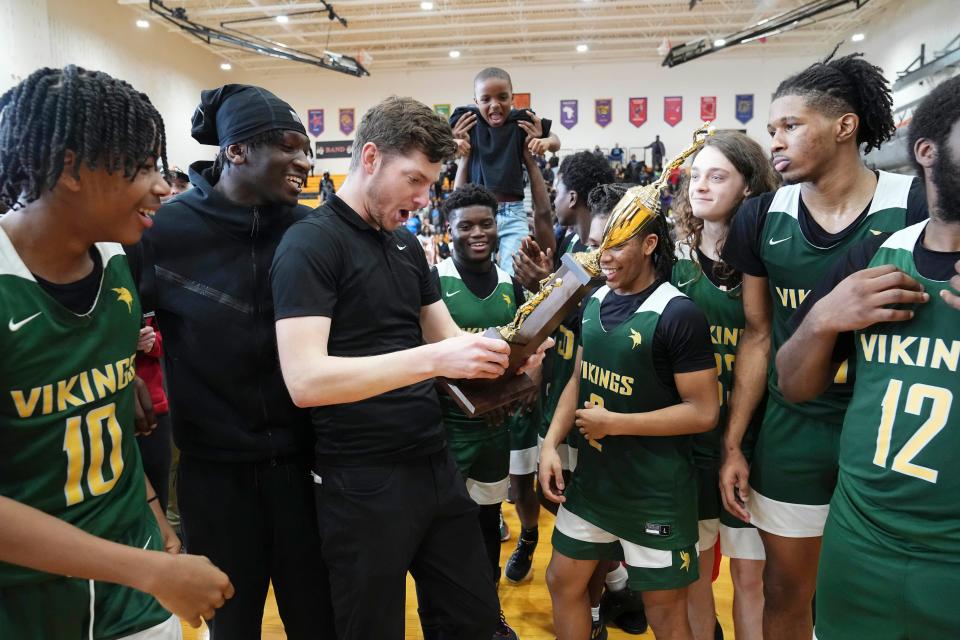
730, 167
783, 243
891, 549
78, 171
479, 295
645, 379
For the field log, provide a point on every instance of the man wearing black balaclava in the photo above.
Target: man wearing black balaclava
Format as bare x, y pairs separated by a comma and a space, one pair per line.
245, 491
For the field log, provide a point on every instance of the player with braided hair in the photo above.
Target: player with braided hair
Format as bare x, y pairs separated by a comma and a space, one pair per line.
784, 242
79, 154
644, 372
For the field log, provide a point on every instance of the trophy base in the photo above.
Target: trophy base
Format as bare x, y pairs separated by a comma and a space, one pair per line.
477, 397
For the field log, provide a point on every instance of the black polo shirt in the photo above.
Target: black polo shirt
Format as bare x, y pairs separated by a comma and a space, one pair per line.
372, 285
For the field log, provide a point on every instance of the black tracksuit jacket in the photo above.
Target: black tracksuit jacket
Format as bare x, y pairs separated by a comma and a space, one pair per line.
205, 269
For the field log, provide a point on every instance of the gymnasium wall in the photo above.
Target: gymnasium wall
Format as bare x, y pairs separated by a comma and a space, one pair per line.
100, 34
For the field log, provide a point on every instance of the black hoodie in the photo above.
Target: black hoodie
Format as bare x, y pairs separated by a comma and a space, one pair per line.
206, 272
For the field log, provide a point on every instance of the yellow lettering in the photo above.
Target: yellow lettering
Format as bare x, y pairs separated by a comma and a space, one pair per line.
85, 387
868, 344
730, 336
122, 373
946, 356
604, 378
922, 352
626, 385
784, 294
64, 396
47, 399
104, 381
26, 407
898, 349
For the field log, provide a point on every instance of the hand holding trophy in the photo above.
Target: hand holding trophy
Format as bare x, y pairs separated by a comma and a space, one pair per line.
561, 292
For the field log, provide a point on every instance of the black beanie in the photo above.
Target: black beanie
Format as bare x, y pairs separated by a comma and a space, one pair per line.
237, 112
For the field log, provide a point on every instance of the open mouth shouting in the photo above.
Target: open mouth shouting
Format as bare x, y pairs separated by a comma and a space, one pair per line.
146, 216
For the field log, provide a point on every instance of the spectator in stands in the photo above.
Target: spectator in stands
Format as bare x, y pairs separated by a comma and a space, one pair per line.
326, 187
657, 151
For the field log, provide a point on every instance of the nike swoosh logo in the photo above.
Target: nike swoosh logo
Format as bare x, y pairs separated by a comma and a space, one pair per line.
450, 295
15, 326
683, 284
401, 247
773, 242
585, 321
148, 542
875, 232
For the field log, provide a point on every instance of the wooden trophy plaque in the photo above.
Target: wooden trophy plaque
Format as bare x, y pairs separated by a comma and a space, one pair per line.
559, 296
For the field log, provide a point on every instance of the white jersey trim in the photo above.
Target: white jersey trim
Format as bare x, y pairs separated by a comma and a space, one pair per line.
905, 239
893, 190
10, 262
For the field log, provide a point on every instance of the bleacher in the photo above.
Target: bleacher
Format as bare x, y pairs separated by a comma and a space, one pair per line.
310, 196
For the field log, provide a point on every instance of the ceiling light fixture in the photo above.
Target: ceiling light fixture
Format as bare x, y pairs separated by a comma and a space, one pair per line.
226, 66
582, 48
454, 54
426, 6
143, 24
282, 19
858, 37
719, 42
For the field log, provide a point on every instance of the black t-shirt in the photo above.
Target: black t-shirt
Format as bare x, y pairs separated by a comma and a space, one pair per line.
934, 265
77, 296
372, 284
681, 341
496, 153
743, 245
709, 268
480, 283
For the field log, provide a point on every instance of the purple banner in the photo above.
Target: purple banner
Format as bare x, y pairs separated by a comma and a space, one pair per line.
346, 121
568, 113
315, 122
603, 111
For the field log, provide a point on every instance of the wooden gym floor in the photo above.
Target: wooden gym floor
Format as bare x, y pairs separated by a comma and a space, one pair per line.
527, 606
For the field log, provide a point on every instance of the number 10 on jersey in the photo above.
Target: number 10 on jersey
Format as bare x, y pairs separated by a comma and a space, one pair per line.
97, 422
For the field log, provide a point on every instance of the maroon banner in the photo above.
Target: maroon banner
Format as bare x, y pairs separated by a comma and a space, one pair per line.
346, 121
604, 111
638, 111
673, 110
708, 108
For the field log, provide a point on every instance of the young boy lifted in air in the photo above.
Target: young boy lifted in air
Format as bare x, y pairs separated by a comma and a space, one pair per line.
491, 137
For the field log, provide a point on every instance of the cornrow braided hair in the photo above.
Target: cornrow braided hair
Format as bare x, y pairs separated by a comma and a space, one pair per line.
664, 256
104, 121
604, 197
845, 85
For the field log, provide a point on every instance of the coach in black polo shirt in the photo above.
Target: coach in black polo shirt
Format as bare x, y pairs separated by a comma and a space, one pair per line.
362, 332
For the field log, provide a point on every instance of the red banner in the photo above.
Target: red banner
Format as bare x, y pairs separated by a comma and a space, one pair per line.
638, 111
673, 110
708, 108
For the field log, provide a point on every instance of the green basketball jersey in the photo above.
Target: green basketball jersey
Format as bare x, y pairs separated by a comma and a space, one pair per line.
794, 266
724, 311
475, 315
66, 411
640, 488
901, 436
559, 361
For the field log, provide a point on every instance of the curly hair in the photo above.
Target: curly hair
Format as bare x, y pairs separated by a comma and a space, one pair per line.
582, 171
934, 118
400, 125
844, 85
468, 195
104, 121
751, 162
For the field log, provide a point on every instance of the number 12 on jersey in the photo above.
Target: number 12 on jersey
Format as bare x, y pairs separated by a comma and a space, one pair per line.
97, 484
939, 411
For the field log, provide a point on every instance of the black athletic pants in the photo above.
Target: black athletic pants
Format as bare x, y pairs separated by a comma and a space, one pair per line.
156, 451
377, 523
256, 521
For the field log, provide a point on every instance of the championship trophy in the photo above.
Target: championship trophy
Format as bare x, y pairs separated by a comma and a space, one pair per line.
560, 293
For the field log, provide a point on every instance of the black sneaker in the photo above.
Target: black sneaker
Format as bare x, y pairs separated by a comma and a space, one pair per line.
598, 630
624, 608
504, 632
520, 564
